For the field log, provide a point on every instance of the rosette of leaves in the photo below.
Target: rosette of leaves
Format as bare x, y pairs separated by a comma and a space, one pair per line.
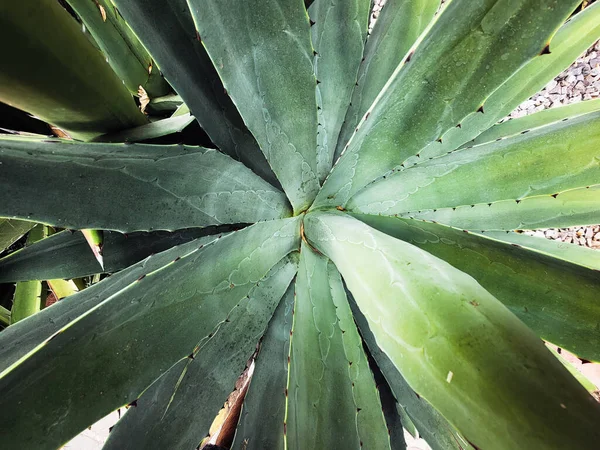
367, 204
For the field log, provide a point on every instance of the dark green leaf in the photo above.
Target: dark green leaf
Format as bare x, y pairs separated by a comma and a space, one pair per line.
131, 187
167, 30
51, 70
180, 303
167, 414
147, 131
263, 54
67, 255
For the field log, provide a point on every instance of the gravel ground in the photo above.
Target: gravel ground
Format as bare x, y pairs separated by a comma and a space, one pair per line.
581, 81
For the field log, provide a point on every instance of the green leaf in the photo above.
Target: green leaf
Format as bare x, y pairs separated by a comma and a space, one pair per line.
147, 131
437, 325
28, 294
572, 39
398, 27
522, 181
432, 426
569, 208
339, 32
27, 300
165, 105
332, 401
124, 52
261, 423
67, 255
571, 253
4, 316
459, 63
556, 296
19, 340
51, 70
263, 54
12, 230
167, 413
131, 187
181, 302
167, 30
542, 118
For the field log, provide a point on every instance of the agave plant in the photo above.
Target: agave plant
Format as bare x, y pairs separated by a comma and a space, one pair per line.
358, 216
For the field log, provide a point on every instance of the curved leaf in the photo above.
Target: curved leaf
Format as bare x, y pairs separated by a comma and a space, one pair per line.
51, 70
167, 414
572, 39
131, 187
181, 303
263, 54
458, 64
339, 31
124, 52
167, 30
398, 27
556, 296
147, 131
437, 325
67, 255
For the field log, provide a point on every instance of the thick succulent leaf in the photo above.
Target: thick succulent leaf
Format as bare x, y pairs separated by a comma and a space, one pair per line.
543, 118
263, 412
62, 288
147, 131
437, 325
458, 64
131, 187
23, 337
398, 27
124, 52
570, 208
167, 30
27, 300
67, 254
12, 230
572, 39
517, 182
51, 70
180, 302
167, 414
339, 31
432, 426
572, 253
28, 294
165, 105
4, 317
332, 401
263, 54
556, 296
